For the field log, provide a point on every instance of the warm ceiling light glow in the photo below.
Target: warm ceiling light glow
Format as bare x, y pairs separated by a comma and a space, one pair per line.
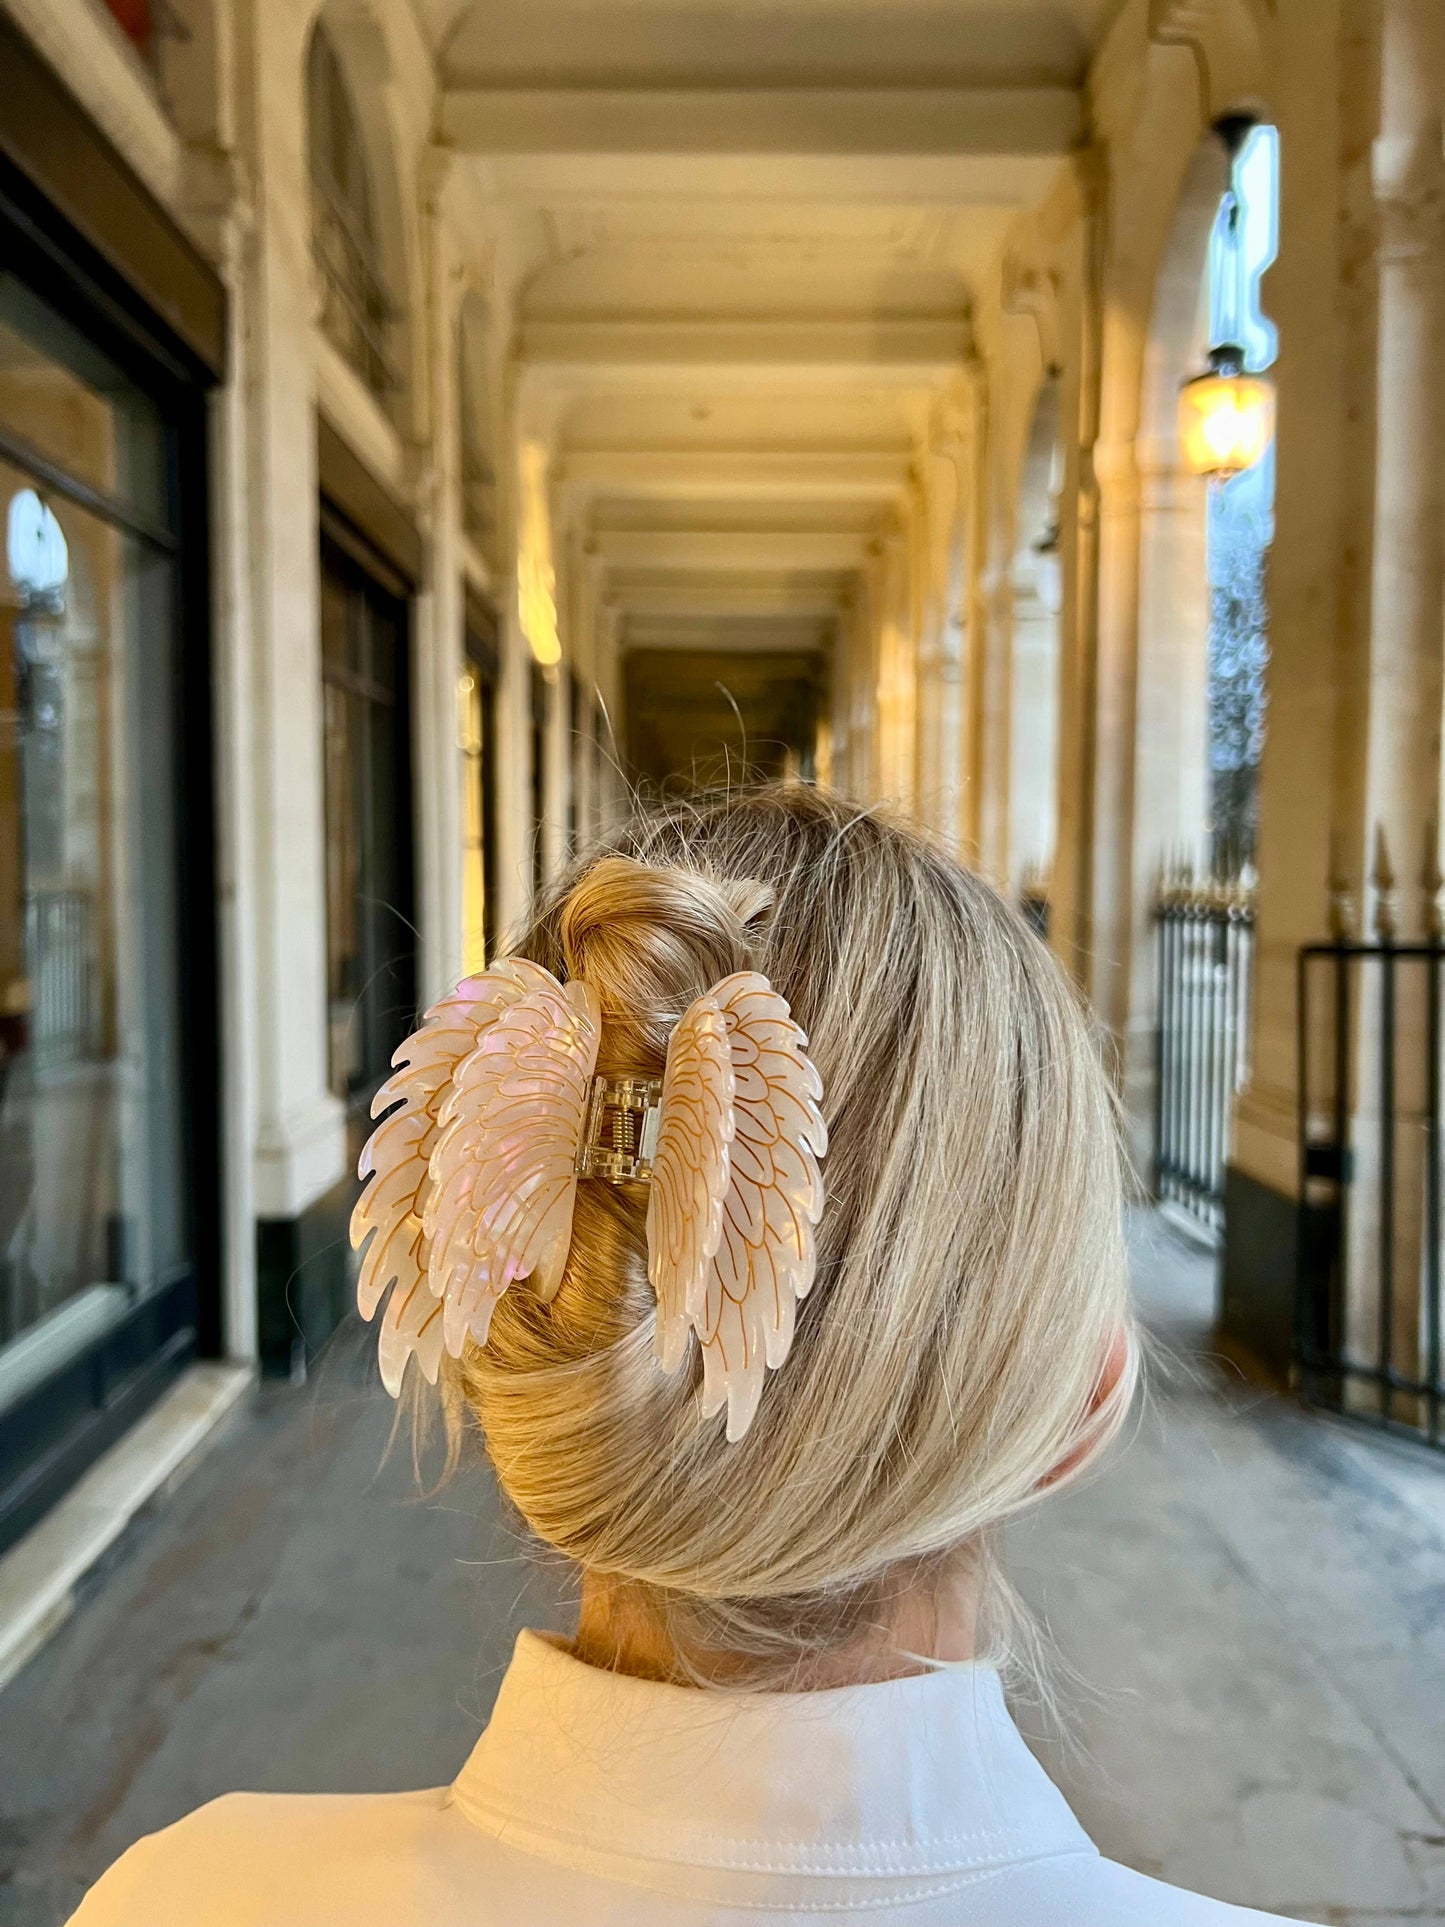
536, 577
1226, 417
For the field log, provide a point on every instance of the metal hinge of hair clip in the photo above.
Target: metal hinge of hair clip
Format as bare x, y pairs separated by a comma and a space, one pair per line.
619, 1133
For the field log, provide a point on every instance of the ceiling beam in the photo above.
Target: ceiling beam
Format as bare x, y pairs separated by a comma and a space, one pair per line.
728, 634
703, 595
729, 551
998, 122
907, 350
842, 475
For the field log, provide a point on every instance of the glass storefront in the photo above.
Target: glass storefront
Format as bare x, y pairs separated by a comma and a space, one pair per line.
370, 936
98, 1296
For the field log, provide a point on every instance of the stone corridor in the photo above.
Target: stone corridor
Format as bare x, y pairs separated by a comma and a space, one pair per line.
1249, 1606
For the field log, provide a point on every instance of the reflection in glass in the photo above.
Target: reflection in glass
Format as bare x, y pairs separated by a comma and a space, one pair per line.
90, 1207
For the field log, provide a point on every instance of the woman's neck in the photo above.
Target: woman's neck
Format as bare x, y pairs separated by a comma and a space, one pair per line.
927, 1622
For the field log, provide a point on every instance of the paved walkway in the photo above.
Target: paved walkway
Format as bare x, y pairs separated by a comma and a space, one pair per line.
1256, 1600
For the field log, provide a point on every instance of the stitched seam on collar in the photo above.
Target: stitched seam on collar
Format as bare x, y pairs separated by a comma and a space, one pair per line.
935, 1887
894, 1897
808, 1856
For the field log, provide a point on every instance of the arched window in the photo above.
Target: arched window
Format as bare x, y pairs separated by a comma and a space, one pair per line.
1241, 512
356, 310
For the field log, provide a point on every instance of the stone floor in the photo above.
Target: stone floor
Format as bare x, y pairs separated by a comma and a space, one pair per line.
1249, 1606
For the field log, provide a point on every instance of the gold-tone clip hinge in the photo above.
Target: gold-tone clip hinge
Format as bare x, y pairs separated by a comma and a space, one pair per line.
619, 1133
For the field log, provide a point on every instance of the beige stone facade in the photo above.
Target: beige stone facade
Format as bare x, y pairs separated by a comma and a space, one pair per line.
846, 335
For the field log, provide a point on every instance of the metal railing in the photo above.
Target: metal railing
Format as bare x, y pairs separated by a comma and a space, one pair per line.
1205, 949
1369, 1264
59, 960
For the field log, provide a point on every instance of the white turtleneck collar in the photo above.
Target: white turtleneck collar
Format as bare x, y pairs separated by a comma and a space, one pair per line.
859, 1795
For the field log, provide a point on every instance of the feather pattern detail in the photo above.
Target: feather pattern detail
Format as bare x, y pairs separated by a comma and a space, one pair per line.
396, 1160
745, 1301
504, 1168
689, 1171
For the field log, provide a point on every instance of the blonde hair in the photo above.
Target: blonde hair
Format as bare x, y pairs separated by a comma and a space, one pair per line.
971, 1275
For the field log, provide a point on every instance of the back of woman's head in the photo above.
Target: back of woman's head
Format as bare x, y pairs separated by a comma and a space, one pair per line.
970, 1272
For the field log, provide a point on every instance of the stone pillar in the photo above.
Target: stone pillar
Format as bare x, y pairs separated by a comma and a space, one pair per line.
514, 766
995, 779
975, 638
896, 668
1403, 758
936, 753
1071, 882
299, 1151
1033, 729
1354, 681
1171, 707
1111, 831
1402, 743
438, 616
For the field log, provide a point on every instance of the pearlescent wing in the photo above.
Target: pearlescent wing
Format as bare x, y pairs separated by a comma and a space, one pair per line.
746, 1300
689, 1171
504, 1177
396, 1159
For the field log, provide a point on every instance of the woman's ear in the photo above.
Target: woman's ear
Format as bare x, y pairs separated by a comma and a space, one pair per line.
1116, 1363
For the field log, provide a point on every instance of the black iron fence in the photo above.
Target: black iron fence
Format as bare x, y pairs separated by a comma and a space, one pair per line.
1368, 1284
59, 949
1205, 948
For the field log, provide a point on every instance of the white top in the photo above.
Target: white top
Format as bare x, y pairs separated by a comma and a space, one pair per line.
601, 1801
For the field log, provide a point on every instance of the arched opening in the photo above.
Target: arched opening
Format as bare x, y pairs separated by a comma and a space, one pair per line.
1036, 593
1200, 714
1241, 512
359, 310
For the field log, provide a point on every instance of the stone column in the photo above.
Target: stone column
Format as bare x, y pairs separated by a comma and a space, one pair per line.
299, 1151
1171, 728
514, 764
1403, 758
995, 779
1033, 730
974, 482
1071, 881
1402, 744
935, 800
896, 668
438, 614
1354, 681
1111, 833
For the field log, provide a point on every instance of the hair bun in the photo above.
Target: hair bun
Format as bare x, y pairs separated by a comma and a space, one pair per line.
649, 939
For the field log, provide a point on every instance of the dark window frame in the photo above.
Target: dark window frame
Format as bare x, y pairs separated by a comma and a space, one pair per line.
342, 549
51, 1436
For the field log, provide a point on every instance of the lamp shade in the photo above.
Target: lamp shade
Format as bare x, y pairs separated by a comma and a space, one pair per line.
1226, 417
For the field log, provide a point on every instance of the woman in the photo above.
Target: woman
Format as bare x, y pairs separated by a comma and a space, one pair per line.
767, 1220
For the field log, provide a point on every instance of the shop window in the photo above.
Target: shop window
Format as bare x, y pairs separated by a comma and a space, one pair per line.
370, 939
97, 1280
357, 312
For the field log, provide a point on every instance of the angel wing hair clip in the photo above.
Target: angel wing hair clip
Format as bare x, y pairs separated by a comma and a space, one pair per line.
494, 1114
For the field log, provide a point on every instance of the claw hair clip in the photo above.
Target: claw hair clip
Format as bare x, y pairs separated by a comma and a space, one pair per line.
494, 1114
